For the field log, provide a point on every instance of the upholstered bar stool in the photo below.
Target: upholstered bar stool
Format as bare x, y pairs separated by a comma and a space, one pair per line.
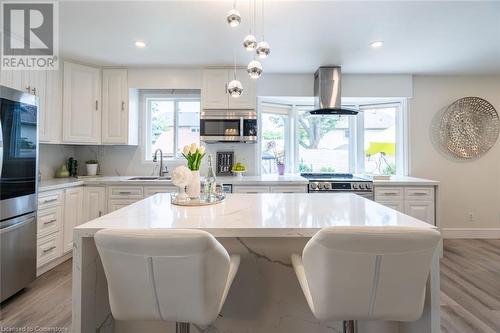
168, 275
366, 273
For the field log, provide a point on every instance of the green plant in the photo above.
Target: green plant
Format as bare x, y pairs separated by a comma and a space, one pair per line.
92, 162
193, 155
390, 169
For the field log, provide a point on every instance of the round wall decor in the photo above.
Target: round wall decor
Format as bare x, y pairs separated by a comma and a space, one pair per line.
467, 129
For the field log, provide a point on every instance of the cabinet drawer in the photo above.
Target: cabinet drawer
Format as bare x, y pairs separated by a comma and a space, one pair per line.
151, 190
288, 189
49, 220
48, 248
117, 204
419, 193
250, 189
125, 192
389, 193
50, 199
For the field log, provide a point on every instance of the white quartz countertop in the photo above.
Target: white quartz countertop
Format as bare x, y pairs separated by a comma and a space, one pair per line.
270, 180
255, 215
287, 179
406, 181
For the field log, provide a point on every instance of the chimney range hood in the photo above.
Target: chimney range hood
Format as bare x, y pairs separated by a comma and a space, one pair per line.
327, 93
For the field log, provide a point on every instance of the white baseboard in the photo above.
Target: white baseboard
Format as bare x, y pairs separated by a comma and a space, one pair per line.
470, 233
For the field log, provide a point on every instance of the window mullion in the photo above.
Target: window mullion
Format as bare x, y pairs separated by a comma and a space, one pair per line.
176, 127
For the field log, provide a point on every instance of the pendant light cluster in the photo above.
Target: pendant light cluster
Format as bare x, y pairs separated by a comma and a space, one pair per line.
261, 49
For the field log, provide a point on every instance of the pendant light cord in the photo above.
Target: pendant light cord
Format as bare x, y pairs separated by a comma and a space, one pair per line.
262, 18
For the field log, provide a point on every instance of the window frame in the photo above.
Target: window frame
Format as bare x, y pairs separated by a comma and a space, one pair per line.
356, 132
147, 135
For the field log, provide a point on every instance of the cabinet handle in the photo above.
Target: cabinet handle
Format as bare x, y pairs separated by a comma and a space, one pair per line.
390, 193
49, 222
96, 105
225, 88
28, 89
123, 106
419, 193
49, 200
125, 192
49, 249
33, 90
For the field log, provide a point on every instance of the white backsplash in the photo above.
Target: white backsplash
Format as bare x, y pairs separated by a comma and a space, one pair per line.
129, 161
52, 157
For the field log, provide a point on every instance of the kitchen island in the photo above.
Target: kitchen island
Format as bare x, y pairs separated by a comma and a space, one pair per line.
265, 229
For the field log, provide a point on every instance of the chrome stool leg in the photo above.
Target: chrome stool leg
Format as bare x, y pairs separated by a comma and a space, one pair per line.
349, 326
181, 327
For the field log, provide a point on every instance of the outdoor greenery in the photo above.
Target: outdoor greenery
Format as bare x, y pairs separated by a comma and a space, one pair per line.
313, 129
159, 122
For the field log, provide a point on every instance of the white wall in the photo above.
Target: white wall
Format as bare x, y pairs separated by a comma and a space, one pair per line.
465, 186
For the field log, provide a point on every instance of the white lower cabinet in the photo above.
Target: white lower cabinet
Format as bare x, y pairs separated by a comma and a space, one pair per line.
73, 215
422, 210
250, 189
152, 190
416, 201
94, 202
115, 204
48, 248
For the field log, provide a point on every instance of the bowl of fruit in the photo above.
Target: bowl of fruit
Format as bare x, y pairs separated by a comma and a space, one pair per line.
239, 169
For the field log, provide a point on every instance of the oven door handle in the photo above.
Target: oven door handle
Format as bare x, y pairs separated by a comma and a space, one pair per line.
17, 224
242, 123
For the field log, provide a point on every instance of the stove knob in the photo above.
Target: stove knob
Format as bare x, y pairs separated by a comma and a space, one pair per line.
313, 186
368, 186
327, 186
361, 186
355, 186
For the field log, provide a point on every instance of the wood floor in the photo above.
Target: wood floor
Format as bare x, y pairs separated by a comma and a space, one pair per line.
470, 292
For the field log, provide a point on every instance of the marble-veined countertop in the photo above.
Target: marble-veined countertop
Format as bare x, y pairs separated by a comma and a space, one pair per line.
255, 215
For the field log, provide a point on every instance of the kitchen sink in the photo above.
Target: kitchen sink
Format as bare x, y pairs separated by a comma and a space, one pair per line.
149, 178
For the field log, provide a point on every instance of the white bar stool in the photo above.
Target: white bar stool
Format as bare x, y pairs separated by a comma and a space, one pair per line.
366, 273
170, 275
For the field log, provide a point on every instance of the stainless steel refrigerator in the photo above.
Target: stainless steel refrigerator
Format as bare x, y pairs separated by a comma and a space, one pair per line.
18, 189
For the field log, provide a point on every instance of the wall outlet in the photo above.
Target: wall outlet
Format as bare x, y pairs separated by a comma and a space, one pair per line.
471, 216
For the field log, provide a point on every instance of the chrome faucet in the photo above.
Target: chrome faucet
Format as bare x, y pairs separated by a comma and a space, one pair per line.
163, 171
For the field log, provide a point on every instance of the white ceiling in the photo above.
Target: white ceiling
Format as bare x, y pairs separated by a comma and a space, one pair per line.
420, 37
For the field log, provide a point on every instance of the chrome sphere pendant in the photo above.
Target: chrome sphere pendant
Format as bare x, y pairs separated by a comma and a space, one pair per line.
263, 50
250, 43
254, 69
233, 18
235, 89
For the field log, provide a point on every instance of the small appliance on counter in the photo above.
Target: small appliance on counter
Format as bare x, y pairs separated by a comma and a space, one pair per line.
19, 187
225, 161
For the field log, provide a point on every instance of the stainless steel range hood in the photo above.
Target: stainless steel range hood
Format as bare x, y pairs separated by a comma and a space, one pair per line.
327, 92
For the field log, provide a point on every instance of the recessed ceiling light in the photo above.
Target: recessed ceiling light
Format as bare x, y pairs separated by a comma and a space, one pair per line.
377, 44
140, 44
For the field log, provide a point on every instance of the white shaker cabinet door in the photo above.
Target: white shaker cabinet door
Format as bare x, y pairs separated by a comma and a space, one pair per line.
214, 91
94, 202
115, 111
73, 215
247, 99
81, 104
422, 210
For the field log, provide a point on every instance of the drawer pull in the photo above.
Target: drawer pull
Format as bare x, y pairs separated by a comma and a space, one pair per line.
49, 249
390, 193
124, 192
50, 221
420, 193
49, 200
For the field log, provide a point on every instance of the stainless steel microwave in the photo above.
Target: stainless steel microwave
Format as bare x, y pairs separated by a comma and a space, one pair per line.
228, 126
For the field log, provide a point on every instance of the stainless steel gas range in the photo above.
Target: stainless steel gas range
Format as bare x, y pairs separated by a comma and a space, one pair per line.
339, 183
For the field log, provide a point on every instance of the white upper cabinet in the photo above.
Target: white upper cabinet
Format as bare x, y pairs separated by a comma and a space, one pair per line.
81, 104
214, 93
118, 119
53, 108
247, 98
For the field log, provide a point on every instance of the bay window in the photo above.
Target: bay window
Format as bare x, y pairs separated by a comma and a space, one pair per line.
373, 142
